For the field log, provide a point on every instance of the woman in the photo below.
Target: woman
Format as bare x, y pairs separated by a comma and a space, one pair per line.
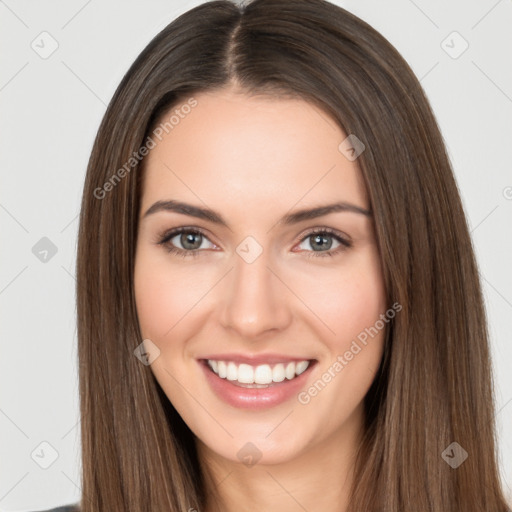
278, 301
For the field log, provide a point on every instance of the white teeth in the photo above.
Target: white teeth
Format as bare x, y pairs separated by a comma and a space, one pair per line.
278, 373
301, 367
261, 374
245, 374
232, 372
221, 369
290, 371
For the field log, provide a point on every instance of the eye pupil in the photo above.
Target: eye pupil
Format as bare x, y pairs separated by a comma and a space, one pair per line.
324, 242
188, 238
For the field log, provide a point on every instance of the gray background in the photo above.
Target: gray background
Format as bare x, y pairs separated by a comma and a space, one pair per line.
51, 109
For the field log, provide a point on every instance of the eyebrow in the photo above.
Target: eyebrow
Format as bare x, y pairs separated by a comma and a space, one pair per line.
289, 219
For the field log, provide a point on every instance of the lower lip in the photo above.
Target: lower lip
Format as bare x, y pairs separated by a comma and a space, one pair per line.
255, 398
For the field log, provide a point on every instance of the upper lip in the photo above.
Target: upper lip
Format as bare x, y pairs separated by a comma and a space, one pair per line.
256, 359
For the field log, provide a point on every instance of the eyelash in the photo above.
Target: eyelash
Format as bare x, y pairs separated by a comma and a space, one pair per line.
169, 235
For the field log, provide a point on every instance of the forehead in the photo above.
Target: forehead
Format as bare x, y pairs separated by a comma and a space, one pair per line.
232, 149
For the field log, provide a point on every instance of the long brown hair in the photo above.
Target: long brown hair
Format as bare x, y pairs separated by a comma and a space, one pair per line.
434, 385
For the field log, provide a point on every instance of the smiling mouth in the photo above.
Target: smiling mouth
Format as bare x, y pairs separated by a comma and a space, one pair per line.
258, 376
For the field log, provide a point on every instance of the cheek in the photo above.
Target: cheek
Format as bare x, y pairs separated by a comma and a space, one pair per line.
154, 299
165, 295
358, 307
348, 300
356, 317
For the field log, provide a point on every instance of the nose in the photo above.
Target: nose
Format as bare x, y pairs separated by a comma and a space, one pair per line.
254, 301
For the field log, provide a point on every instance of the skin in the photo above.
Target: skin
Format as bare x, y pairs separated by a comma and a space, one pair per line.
253, 160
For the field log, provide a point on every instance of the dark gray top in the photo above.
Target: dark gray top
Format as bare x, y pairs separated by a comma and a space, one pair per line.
65, 508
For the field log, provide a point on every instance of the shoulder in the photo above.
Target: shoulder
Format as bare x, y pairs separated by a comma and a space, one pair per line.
65, 508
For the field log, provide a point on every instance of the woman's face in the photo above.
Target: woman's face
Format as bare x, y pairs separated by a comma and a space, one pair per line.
262, 290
